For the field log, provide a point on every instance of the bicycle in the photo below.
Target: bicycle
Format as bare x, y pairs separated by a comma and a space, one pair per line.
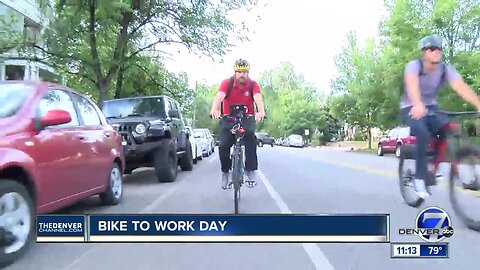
238, 113
444, 150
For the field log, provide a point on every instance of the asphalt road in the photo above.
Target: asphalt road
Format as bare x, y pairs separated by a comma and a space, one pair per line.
292, 181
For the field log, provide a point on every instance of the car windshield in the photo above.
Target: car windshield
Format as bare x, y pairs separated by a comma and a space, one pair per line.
404, 133
296, 137
12, 97
199, 133
134, 107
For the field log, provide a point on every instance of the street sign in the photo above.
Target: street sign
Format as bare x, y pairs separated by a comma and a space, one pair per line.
307, 132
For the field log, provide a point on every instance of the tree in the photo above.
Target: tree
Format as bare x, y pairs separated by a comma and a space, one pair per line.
370, 79
292, 104
96, 39
9, 37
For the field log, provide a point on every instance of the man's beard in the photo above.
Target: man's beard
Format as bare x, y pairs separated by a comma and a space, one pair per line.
242, 80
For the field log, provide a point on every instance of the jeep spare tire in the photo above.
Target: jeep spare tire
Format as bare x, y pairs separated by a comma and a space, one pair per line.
165, 161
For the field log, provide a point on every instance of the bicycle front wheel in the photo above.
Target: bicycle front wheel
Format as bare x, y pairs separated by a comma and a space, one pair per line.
464, 185
236, 178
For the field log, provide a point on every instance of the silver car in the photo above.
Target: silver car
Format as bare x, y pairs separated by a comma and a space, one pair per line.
209, 137
295, 141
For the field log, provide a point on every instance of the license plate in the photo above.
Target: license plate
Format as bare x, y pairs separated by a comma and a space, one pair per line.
124, 143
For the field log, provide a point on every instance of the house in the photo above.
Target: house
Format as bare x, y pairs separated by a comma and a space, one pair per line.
27, 18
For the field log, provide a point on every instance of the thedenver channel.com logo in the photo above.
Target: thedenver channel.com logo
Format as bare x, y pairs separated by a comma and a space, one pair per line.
433, 224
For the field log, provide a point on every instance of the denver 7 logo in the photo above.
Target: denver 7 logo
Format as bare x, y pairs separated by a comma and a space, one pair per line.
434, 224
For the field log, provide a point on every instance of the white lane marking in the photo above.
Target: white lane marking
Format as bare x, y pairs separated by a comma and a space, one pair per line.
160, 199
150, 207
315, 254
213, 159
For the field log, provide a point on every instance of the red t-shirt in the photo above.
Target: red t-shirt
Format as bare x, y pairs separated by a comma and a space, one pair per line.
239, 95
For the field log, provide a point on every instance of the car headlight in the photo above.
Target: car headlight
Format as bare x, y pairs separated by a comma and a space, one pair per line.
140, 128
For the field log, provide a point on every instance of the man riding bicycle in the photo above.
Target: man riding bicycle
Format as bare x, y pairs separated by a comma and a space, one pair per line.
423, 78
238, 90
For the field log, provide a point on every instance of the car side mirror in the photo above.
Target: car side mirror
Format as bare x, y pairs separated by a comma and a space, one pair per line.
55, 117
173, 114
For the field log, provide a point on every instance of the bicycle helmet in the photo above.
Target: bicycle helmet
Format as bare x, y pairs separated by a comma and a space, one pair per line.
430, 42
241, 65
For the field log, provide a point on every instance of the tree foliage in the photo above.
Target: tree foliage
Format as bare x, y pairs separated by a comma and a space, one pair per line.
369, 81
292, 106
102, 43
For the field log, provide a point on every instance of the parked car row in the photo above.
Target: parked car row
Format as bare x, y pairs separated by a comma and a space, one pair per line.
58, 147
293, 140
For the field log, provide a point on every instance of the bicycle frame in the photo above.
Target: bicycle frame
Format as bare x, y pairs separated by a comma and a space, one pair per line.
237, 154
443, 146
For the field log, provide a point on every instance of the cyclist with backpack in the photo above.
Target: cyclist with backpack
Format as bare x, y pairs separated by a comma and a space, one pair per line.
423, 78
238, 90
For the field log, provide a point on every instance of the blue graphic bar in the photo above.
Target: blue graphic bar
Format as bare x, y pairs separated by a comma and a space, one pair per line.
61, 228
238, 228
434, 250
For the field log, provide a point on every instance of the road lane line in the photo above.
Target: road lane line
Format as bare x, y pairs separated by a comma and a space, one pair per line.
315, 254
150, 207
145, 210
213, 159
385, 173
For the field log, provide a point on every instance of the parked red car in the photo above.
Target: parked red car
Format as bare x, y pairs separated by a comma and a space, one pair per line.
396, 137
56, 148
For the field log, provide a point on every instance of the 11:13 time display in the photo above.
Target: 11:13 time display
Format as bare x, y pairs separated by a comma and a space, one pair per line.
407, 250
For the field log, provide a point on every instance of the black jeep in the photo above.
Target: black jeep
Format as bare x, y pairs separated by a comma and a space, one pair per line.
153, 132
263, 138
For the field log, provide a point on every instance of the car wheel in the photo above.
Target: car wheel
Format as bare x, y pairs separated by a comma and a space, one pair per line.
16, 221
165, 161
186, 161
114, 192
271, 145
398, 151
380, 150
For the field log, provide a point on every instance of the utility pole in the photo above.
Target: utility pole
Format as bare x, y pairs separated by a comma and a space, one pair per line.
194, 103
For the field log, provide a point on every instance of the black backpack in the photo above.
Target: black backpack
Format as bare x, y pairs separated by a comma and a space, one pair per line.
229, 90
421, 73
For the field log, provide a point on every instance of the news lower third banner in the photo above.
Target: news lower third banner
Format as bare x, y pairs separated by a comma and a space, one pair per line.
214, 228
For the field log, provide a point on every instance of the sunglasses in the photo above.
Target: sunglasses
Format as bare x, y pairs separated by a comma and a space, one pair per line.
434, 49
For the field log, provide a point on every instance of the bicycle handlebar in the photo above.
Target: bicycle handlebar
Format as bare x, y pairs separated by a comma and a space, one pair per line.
248, 116
455, 114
